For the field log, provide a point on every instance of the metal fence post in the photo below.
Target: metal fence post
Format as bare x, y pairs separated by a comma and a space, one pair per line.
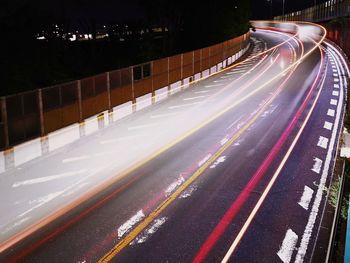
110, 111
132, 89
4, 119
41, 112
168, 71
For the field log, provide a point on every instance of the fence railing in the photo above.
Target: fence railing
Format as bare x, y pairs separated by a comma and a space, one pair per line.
33, 114
321, 12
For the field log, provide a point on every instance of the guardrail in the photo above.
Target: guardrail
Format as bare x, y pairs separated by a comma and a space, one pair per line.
39, 116
321, 12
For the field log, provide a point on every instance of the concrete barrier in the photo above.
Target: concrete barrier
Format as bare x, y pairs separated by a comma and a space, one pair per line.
26, 152
63, 137
143, 102
161, 94
122, 111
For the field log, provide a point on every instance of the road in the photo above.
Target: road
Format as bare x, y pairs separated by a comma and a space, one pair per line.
233, 168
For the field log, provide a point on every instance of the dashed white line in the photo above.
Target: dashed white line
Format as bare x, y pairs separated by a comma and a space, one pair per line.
204, 160
213, 86
333, 102
183, 105
288, 245
317, 165
195, 98
141, 127
75, 159
331, 112
130, 223
328, 125
336, 80
203, 91
306, 198
164, 115
322, 142
335, 75
335, 93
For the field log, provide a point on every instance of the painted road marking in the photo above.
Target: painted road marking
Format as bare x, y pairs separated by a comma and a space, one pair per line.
336, 80
335, 93
142, 238
164, 115
75, 159
203, 91
183, 105
322, 142
195, 98
328, 125
288, 245
317, 165
213, 86
124, 228
320, 191
334, 70
204, 160
306, 197
333, 102
174, 185
141, 127
331, 112
336, 86
48, 178
335, 75
225, 77
220, 80
223, 141
218, 161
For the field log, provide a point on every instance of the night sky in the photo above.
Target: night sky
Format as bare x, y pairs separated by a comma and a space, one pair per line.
261, 8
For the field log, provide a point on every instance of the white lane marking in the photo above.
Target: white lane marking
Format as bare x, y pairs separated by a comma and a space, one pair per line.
328, 125
183, 105
336, 86
223, 141
156, 224
331, 112
288, 245
333, 102
335, 75
41, 201
221, 159
140, 127
75, 159
235, 72
202, 91
15, 224
320, 191
334, 70
336, 80
322, 142
195, 98
317, 165
306, 198
188, 192
234, 123
220, 80
130, 223
213, 85
164, 115
174, 185
335, 93
120, 139
225, 77
204, 160
48, 178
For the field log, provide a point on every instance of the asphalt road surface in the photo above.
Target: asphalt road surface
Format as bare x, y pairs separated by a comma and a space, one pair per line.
239, 169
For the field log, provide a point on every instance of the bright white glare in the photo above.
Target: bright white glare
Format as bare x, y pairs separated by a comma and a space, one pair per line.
307, 32
73, 38
282, 64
